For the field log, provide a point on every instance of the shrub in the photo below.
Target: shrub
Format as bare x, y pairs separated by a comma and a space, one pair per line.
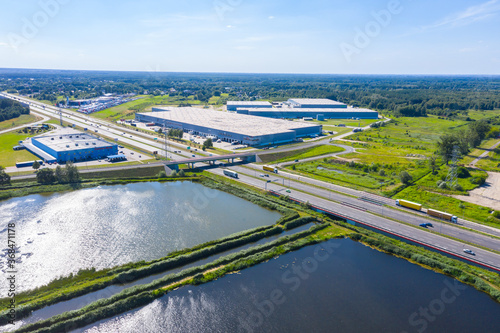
458, 187
161, 174
442, 185
381, 172
463, 172
405, 177
478, 180
496, 214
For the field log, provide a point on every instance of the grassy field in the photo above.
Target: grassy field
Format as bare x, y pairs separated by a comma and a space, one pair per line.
337, 130
491, 162
8, 156
448, 204
215, 100
312, 152
22, 120
299, 153
145, 103
383, 153
347, 122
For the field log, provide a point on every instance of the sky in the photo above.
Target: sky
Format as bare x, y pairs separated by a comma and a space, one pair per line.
253, 36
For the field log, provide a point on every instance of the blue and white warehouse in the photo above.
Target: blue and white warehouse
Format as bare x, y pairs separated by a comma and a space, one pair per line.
74, 147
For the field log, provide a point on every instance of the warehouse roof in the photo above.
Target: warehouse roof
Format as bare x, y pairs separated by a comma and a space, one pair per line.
315, 101
74, 141
227, 121
256, 103
312, 110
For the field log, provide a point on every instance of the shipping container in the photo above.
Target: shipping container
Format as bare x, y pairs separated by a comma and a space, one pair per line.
442, 215
408, 204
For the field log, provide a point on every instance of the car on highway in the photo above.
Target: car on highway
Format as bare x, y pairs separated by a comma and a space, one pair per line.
296, 160
193, 155
469, 252
429, 225
423, 225
288, 191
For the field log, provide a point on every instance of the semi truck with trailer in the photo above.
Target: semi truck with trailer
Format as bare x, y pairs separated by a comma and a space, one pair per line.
270, 169
442, 215
408, 204
230, 173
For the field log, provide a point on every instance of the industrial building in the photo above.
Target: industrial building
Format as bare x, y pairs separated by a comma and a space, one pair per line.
234, 105
228, 126
347, 113
316, 108
74, 147
315, 103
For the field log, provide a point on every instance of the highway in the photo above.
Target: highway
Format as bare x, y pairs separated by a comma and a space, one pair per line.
361, 206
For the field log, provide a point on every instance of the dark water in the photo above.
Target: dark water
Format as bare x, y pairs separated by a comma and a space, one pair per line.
338, 286
101, 227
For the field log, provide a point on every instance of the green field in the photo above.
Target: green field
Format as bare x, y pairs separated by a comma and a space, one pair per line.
8, 156
145, 103
291, 155
491, 162
22, 120
347, 122
218, 100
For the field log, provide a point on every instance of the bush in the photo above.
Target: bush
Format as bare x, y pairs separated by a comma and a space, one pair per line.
496, 214
381, 172
478, 180
161, 174
463, 173
442, 185
405, 177
458, 187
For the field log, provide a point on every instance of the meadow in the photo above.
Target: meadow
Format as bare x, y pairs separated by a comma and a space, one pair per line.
8, 156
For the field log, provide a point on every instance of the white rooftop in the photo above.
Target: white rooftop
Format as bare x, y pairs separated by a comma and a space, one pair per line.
73, 141
227, 121
312, 110
315, 101
248, 103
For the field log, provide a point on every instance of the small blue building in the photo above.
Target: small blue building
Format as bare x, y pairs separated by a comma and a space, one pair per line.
75, 147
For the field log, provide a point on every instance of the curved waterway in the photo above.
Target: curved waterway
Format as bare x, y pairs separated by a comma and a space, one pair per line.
337, 286
61, 233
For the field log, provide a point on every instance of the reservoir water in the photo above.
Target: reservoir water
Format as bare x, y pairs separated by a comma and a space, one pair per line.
338, 286
61, 233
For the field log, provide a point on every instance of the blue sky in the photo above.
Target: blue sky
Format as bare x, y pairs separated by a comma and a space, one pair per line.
255, 36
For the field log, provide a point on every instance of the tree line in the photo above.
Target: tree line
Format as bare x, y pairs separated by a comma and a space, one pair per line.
68, 174
10, 109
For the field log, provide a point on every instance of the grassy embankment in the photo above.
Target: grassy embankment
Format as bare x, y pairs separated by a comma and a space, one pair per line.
292, 155
21, 120
347, 122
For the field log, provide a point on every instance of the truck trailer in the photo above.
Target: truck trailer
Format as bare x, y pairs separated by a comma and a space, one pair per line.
230, 173
270, 169
408, 204
442, 215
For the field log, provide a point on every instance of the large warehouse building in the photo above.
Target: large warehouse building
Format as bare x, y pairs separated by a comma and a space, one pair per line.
315, 103
230, 127
310, 113
318, 108
74, 147
234, 105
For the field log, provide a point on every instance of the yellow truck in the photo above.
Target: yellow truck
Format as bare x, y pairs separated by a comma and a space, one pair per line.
270, 169
442, 215
408, 204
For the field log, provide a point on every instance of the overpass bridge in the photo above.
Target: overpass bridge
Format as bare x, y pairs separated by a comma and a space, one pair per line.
245, 157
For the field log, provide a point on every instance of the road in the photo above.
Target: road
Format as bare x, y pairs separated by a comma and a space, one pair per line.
38, 122
357, 204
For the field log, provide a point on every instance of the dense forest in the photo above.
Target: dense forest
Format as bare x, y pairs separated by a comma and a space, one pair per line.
10, 109
397, 95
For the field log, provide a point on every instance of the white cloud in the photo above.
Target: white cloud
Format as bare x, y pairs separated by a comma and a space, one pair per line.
468, 16
271, 17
